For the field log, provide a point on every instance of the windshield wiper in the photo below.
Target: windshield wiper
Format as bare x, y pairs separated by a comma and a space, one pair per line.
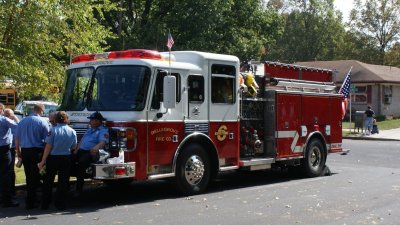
90, 90
84, 97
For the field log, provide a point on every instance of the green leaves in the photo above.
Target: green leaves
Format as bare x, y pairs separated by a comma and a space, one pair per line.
39, 37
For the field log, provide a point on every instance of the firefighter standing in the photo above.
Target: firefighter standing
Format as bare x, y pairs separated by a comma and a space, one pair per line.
88, 148
29, 144
5, 161
57, 158
9, 113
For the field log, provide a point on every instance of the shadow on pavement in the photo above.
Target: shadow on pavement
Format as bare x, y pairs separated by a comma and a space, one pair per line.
97, 196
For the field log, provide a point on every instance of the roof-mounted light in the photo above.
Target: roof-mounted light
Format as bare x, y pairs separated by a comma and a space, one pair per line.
127, 54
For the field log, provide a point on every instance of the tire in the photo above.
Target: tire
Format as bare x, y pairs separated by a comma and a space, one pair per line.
314, 159
193, 170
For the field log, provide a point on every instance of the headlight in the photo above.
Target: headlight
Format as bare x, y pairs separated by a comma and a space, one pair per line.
122, 138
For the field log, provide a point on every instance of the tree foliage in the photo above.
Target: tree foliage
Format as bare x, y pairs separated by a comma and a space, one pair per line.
379, 22
239, 27
313, 31
37, 39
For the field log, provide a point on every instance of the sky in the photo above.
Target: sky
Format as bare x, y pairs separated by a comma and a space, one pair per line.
345, 7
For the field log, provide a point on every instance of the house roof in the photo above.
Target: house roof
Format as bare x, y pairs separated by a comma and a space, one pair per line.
361, 72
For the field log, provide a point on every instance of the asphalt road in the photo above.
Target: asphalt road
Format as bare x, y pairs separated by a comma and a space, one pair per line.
364, 188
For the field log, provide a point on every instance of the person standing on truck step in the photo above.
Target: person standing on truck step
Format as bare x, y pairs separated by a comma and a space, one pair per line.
88, 148
57, 158
370, 114
29, 143
6, 125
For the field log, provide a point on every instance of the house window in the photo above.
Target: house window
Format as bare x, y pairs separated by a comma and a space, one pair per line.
360, 95
387, 94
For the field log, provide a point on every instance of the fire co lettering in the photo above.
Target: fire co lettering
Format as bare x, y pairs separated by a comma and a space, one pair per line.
164, 129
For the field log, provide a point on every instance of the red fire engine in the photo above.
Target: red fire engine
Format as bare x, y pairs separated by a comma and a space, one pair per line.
186, 115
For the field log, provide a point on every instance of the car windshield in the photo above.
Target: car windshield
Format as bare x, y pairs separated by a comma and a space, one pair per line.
109, 88
47, 109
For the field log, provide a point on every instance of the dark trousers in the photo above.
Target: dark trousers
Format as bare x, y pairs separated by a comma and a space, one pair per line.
60, 165
84, 159
12, 168
30, 158
5, 173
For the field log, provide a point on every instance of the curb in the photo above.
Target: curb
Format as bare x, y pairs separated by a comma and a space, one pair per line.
369, 138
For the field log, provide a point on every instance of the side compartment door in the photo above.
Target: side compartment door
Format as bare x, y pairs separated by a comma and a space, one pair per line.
288, 117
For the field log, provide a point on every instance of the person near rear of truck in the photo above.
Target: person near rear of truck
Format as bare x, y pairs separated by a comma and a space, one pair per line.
57, 158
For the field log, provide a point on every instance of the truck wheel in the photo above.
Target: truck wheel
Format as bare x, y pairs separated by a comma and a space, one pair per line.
314, 159
193, 170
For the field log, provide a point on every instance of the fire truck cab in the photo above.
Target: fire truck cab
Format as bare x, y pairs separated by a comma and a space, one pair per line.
185, 115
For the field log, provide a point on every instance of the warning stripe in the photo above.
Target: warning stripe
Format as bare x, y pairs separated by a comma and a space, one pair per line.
290, 134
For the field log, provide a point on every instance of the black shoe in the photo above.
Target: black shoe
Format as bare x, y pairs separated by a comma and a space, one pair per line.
10, 204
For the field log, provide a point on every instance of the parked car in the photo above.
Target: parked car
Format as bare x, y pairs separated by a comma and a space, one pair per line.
24, 108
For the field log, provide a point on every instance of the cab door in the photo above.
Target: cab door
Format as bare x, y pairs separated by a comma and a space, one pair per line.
224, 110
165, 126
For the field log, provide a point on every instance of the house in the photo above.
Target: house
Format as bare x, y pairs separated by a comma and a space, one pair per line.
375, 85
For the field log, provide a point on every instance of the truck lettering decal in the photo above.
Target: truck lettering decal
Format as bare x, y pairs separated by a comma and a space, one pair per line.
164, 129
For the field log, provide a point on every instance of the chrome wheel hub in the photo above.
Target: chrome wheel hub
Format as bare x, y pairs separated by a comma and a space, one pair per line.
194, 170
315, 158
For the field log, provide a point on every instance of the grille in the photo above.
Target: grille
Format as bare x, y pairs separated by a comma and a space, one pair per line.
196, 127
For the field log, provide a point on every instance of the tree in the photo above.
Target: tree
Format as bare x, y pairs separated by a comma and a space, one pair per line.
313, 31
392, 57
379, 20
37, 39
239, 27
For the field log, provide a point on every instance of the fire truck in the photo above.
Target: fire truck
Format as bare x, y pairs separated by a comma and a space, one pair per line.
185, 115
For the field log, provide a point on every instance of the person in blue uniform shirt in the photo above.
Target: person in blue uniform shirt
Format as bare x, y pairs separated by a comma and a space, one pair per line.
29, 144
9, 113
57, 158
5, 161
87, 151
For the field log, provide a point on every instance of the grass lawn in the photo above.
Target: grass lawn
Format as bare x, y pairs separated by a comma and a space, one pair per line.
383, 125
19, 175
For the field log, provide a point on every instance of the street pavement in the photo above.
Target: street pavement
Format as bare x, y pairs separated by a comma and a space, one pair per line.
388, 135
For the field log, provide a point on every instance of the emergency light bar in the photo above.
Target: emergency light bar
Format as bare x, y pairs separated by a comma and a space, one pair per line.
127, 54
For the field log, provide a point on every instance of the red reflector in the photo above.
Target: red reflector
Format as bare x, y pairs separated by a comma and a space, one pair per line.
135, 53
83, 58
120, 171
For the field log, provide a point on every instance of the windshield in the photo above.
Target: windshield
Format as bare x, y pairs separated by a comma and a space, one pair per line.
109, 88
47, 109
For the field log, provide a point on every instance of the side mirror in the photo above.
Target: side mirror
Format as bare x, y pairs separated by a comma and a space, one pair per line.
169, 95
18, 112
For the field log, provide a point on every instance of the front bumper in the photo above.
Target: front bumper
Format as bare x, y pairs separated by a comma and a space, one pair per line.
114, 171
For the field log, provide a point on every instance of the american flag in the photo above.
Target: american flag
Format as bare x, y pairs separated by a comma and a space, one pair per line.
345, 89
170, 41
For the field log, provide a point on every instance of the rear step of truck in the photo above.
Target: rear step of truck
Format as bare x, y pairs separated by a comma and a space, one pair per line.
256, 163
